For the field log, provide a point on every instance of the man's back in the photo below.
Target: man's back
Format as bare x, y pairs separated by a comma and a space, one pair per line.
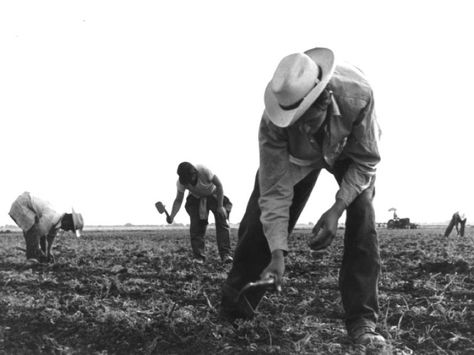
204, 185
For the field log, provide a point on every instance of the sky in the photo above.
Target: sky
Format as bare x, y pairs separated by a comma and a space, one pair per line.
101, 100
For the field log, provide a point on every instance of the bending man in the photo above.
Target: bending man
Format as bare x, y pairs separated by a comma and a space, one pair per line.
318, 115
40, 224
206, 193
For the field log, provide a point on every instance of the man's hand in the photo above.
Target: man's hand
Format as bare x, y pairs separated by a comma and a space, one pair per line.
169, 219
222, 212
275, 269
325, 229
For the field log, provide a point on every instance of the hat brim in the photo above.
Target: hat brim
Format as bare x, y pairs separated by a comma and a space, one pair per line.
324, 58
78, 223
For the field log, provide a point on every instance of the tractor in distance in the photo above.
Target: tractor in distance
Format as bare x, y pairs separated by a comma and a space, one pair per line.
399, 223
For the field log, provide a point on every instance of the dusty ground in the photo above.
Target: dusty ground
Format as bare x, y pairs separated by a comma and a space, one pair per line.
122, 292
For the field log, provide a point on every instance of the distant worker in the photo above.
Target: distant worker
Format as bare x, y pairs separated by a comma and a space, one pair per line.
40, 224
459, 221
206, 193
395, 216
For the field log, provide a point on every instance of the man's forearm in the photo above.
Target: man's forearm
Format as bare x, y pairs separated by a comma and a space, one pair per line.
278, 253
339, 206
176, 207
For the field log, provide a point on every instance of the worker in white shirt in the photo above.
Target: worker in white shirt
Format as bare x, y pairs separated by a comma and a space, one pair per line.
40, 224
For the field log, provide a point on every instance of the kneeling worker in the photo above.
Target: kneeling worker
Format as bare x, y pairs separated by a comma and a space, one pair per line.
40, 224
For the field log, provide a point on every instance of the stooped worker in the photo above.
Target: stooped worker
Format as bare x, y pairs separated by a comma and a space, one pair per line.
40, 224
317, 115
459, 221
206, 193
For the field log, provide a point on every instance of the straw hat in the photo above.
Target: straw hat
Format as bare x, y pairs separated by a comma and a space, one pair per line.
78, 223
297, 82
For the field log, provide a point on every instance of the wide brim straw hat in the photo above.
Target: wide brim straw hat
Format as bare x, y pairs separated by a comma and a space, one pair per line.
296, 84
78, 223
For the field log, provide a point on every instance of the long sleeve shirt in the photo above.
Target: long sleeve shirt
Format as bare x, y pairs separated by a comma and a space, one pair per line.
287, 155
28, 210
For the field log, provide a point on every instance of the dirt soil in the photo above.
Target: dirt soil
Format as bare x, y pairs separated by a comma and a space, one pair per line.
138, 292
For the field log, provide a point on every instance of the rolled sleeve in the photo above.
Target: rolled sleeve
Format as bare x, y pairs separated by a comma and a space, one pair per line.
362, 150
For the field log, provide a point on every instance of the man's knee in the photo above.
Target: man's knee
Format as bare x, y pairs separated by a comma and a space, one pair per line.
363, 203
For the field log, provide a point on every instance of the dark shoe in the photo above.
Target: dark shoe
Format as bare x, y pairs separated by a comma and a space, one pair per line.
365, 335
32, 261
199, 261
51, 259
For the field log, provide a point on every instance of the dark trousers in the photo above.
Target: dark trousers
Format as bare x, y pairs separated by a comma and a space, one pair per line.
198, 226
458, 223
360, 269
462, 227
35, 243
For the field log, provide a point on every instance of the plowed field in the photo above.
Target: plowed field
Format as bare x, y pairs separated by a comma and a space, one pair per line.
137, 292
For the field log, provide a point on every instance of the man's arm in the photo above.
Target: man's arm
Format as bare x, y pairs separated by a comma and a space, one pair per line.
220, 196
276, 195
176, 205
362, 150
276, 185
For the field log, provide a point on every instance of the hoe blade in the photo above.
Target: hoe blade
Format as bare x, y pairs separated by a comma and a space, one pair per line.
160, 207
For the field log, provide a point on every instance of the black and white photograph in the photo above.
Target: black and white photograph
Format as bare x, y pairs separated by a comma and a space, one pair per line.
223, 177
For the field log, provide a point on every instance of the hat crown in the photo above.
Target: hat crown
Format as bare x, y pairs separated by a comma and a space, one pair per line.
296, 84
294, 77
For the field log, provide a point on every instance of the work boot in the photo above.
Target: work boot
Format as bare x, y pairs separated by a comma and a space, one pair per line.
365, 335
32, 261
199, 261
227, 259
